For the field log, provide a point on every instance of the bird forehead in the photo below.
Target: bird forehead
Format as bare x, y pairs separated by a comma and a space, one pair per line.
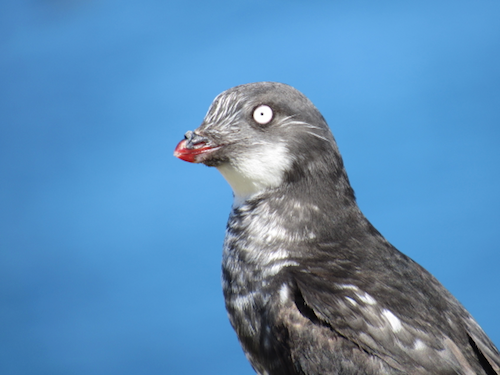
241, 99
225, 105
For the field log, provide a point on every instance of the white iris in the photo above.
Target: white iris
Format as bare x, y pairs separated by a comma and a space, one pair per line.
263, 114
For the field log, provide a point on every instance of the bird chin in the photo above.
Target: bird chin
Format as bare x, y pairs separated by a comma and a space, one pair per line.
198, 154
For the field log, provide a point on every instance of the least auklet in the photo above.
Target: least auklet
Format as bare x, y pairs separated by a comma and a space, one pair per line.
311, 287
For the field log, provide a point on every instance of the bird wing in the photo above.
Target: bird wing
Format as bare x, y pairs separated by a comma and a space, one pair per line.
483, 347
411, 337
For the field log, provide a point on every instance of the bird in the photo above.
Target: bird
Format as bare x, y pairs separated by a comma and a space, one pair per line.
310, 286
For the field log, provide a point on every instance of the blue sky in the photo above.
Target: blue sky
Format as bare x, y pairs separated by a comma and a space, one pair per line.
110, 247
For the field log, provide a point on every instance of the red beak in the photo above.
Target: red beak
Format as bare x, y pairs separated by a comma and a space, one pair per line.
191, 154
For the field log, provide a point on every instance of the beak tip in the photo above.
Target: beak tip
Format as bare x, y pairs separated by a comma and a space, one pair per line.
182, 152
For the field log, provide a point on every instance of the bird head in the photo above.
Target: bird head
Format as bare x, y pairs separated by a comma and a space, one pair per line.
260, 135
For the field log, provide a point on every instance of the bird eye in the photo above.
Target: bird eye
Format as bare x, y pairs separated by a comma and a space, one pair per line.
263, 114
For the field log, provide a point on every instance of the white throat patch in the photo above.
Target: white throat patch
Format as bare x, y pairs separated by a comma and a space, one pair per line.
252, 173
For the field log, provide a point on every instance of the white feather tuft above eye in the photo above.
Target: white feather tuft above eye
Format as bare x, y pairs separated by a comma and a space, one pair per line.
263, 114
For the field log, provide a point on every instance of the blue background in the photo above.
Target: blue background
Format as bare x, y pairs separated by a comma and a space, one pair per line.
110, 247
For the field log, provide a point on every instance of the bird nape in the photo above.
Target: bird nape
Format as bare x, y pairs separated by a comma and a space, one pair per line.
311, 287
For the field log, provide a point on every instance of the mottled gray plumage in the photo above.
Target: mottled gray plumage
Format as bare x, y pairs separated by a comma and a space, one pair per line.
311, 287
